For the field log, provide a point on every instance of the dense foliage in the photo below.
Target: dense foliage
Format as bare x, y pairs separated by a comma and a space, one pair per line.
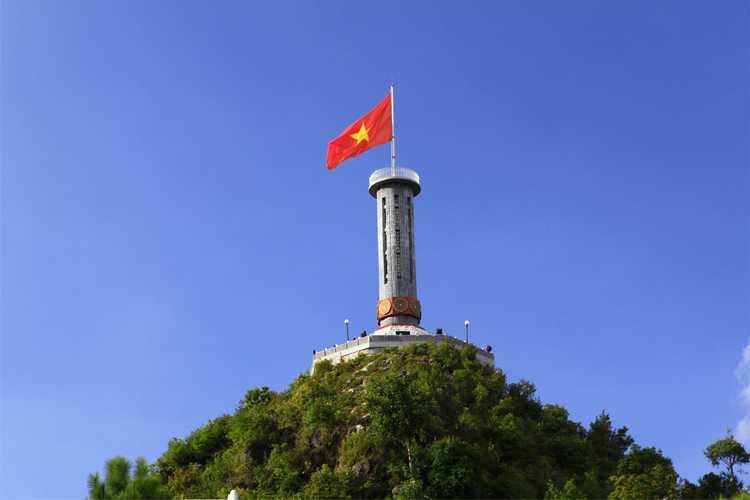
423, 421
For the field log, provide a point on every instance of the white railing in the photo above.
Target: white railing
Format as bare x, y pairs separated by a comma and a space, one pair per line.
388, 172
377, 342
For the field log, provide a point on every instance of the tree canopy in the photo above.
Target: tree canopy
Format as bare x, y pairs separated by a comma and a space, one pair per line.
730, 453
422, 421
644, 473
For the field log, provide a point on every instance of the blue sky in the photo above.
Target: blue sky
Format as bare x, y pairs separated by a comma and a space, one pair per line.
171, 236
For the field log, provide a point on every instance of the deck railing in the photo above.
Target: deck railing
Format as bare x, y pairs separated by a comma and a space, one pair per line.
388, 172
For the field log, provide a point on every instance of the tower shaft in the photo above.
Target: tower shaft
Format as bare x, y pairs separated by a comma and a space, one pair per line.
394, 190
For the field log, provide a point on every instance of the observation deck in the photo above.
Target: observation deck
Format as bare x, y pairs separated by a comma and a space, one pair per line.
394, 174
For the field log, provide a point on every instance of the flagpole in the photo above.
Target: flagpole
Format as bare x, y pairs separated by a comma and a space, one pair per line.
393, 136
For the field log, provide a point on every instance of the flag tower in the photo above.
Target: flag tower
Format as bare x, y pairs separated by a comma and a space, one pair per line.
394, 189
398, 311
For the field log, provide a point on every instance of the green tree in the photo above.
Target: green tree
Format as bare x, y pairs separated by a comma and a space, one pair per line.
189, 482
609, 446
200, 447
253, 428
398, 412
119, 483
568, 492
731, 454
411, 490
644, 473
327, 483
710, 486
564, 440
455, 469
257, 396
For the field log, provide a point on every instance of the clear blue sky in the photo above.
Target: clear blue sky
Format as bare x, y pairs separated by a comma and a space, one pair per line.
171, 236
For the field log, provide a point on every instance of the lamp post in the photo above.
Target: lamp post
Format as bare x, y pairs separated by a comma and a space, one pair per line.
347, 329
467, 330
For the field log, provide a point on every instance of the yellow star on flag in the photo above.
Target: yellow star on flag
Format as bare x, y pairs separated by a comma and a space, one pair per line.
362, 134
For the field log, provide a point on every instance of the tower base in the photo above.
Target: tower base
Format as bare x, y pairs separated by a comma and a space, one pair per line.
377, 342
401, 329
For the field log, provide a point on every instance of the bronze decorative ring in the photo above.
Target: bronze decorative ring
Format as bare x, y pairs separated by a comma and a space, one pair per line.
384, 307
400, 305
415, 307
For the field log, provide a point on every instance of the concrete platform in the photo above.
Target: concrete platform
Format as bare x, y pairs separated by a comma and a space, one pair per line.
379, 341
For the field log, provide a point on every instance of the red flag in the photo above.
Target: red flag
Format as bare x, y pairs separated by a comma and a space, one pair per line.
371, 130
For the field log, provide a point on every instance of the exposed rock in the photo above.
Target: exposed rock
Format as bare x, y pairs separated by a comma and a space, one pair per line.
364, 420
257, 454
361, 468
315, 439
335, 438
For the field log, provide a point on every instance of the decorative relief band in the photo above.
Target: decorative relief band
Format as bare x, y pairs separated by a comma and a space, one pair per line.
399, 305
384, 307
415, 308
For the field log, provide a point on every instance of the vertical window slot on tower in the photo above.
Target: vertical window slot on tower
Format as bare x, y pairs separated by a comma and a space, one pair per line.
410, 226
397, 235
385, 244
398, 266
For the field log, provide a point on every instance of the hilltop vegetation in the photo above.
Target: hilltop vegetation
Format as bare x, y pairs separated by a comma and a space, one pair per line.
423, 421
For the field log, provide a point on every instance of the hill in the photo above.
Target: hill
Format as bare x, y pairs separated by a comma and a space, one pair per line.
421, 421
